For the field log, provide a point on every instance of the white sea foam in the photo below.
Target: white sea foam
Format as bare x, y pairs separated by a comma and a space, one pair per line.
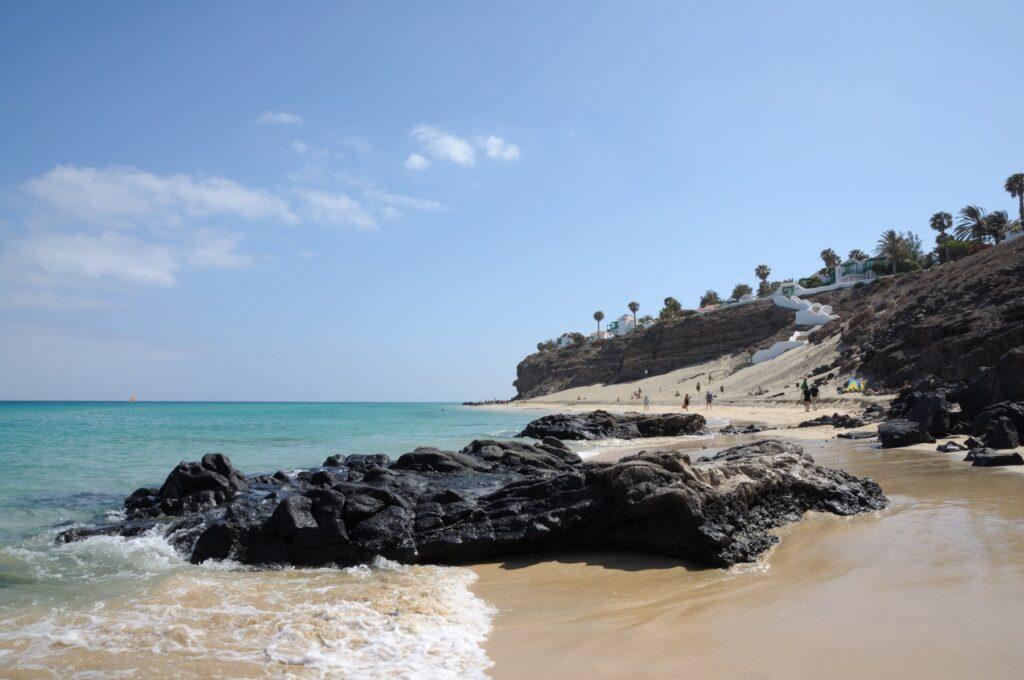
384, 621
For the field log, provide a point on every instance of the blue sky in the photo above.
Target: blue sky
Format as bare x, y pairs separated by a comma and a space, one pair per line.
397, 201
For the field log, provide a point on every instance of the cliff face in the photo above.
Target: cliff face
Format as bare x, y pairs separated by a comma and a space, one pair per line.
947, 322
662, 348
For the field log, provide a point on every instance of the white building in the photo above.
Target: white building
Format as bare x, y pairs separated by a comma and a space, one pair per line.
565, 339
624, 324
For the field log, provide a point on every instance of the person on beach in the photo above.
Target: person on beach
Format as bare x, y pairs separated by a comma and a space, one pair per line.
647, 403
698, 387
814, 397
807, 397
708, 397
686, 402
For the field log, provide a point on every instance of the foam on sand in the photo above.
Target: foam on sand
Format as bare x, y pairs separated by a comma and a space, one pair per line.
384, 621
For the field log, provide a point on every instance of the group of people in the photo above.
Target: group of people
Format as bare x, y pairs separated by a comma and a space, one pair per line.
708, 398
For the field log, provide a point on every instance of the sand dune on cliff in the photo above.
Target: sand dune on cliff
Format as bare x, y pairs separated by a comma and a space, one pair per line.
731, 387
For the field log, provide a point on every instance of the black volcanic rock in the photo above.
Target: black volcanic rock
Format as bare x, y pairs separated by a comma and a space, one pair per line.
496, 499
986, 457
604, 425
896, 433
1000, 425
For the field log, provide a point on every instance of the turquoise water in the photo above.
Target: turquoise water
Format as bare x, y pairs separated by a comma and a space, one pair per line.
71, 461
60, 459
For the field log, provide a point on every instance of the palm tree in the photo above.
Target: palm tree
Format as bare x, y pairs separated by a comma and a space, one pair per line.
1015, 187
890, 245
634, 307
942, 222
971, 224
857, 254
829, 257
599, 317
762, 272
997, 224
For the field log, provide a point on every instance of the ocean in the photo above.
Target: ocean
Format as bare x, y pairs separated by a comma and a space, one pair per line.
110, 606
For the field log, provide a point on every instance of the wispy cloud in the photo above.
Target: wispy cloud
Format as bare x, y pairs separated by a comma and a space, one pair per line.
326, 207
497, 148
444, 146
279, 118
62, 258
417, 162
125, 197
400, 200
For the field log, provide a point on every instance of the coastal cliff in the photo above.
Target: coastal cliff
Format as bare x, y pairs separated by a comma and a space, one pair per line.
946, 322
664, 347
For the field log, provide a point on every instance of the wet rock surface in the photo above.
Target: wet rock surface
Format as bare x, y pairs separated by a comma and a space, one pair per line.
986, 457
605, 425
492, 499
897, 433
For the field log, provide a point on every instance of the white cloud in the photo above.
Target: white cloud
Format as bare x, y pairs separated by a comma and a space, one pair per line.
300, 146
417, 162
335, 208
387, 198
64, 258
443, 146
279, 118
121, 196
391, 213
219, 250
498, 148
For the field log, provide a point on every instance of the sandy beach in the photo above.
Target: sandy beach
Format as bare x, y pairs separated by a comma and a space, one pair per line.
930, 587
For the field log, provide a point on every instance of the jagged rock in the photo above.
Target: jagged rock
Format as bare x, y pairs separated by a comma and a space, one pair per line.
950, 447
189, 487
1002, 382
496, 499
896, 433
604, 425
973, 443
986, 457
1000, 425
924, 404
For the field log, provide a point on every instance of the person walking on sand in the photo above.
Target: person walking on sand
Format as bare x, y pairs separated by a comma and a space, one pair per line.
686, 402
814, 397
807, 396
708, 397
647, 403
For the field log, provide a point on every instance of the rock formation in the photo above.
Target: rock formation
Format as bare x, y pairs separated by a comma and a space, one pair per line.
604, 425
664, 347
491, 500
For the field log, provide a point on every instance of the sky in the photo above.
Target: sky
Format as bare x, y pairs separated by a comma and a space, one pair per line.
396, 201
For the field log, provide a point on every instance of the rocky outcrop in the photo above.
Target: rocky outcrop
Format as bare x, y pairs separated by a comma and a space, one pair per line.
949, 321
496, 499
663, 347
897, 433
604, 425
1000, 425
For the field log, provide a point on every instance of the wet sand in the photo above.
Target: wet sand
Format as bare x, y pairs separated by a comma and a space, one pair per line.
931, 587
